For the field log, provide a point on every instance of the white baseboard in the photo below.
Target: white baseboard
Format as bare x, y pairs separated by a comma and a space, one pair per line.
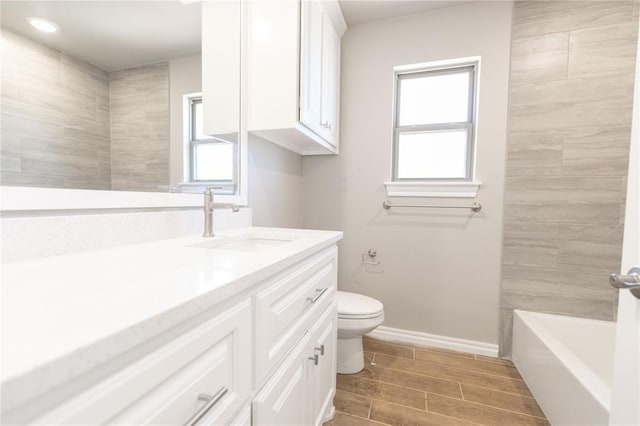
445, 342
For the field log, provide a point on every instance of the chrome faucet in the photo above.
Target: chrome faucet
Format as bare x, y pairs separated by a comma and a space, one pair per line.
209, 205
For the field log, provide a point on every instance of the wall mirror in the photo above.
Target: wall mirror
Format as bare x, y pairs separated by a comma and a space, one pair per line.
95, 97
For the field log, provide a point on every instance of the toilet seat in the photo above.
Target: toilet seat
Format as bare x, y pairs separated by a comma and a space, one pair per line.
358, 306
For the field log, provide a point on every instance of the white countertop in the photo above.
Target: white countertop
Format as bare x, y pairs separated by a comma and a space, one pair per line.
63, 315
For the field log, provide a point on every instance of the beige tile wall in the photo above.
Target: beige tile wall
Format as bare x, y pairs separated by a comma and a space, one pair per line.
54, 120
140, 127
68, 124
571, 92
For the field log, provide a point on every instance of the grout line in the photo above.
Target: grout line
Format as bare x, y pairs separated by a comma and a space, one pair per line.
426, 402
370, 407
383, 400
497, 408
478, 369
461, 392
362, 418
465, 369
455, 381
432, 412
373, 359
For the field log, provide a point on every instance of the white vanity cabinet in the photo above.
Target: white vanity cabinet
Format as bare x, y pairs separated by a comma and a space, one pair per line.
202, 376
296, 318
257, 349
294, 73
302, 389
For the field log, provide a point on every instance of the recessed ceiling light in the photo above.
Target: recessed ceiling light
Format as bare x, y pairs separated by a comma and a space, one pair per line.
43, 25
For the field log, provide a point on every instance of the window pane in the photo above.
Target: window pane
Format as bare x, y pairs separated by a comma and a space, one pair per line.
429, 155
431, 99
198, 120
214, 161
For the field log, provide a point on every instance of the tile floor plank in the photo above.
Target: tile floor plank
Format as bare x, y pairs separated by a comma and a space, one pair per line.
413, 381
453, 374
480, 413
387, 348
393, 414
468, 363
342, 419
507, 401
418, 385
494, 360
379, 390
351, 403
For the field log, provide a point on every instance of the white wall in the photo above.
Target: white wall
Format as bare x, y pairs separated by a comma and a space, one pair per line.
440, 270
275, 184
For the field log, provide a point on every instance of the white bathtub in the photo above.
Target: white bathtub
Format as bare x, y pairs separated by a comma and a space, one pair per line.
567, 363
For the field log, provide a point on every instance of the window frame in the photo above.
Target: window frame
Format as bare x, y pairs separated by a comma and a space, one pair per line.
229, 187
434, 69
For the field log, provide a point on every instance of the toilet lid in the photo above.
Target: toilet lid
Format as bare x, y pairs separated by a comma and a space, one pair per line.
352, 305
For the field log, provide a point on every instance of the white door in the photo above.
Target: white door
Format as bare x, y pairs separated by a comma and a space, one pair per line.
625, 406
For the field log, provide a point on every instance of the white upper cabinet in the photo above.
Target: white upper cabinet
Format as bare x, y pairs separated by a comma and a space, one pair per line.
294, 73
221, 73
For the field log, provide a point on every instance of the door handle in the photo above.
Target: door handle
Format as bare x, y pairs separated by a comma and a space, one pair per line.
211, 401
630, 282
319, 293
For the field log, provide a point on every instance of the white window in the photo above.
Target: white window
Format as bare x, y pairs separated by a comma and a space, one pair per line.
434, 124
211, 161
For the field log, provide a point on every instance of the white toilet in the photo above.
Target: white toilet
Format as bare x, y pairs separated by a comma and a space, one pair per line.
357, 315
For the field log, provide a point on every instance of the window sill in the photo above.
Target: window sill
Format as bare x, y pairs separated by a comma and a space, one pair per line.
433, 189
199, 187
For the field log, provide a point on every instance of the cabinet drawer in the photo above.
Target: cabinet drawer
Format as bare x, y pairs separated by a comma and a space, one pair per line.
164, 387
286, 307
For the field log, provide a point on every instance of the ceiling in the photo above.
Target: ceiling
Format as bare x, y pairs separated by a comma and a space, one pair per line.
115, 34
112, 34
360, 11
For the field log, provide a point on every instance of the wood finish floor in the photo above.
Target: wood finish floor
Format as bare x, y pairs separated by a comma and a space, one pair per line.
418, 385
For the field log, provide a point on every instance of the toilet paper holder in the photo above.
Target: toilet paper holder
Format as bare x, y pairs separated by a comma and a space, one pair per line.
372, 253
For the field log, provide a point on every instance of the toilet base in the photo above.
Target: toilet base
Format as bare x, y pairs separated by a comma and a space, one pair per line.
350, 355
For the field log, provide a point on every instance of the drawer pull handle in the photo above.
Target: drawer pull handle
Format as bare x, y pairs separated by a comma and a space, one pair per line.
314, 359
320, 292
321, 349
211, 401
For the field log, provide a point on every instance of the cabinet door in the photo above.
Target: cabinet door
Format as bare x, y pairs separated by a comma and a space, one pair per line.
164, 386
221, 44
311, 65
324, 335
330, 82
283, 400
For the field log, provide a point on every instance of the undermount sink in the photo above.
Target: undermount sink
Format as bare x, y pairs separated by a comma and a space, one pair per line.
246, 242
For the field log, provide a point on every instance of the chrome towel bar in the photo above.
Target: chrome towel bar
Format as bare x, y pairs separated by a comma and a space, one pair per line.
475, 207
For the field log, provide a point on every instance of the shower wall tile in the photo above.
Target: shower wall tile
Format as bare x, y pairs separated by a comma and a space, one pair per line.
506, 329
140, 127
531, 65
534, 153
530, 244
597, 151
603, 50
46, 96
590, 248
536, 17
567, 156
